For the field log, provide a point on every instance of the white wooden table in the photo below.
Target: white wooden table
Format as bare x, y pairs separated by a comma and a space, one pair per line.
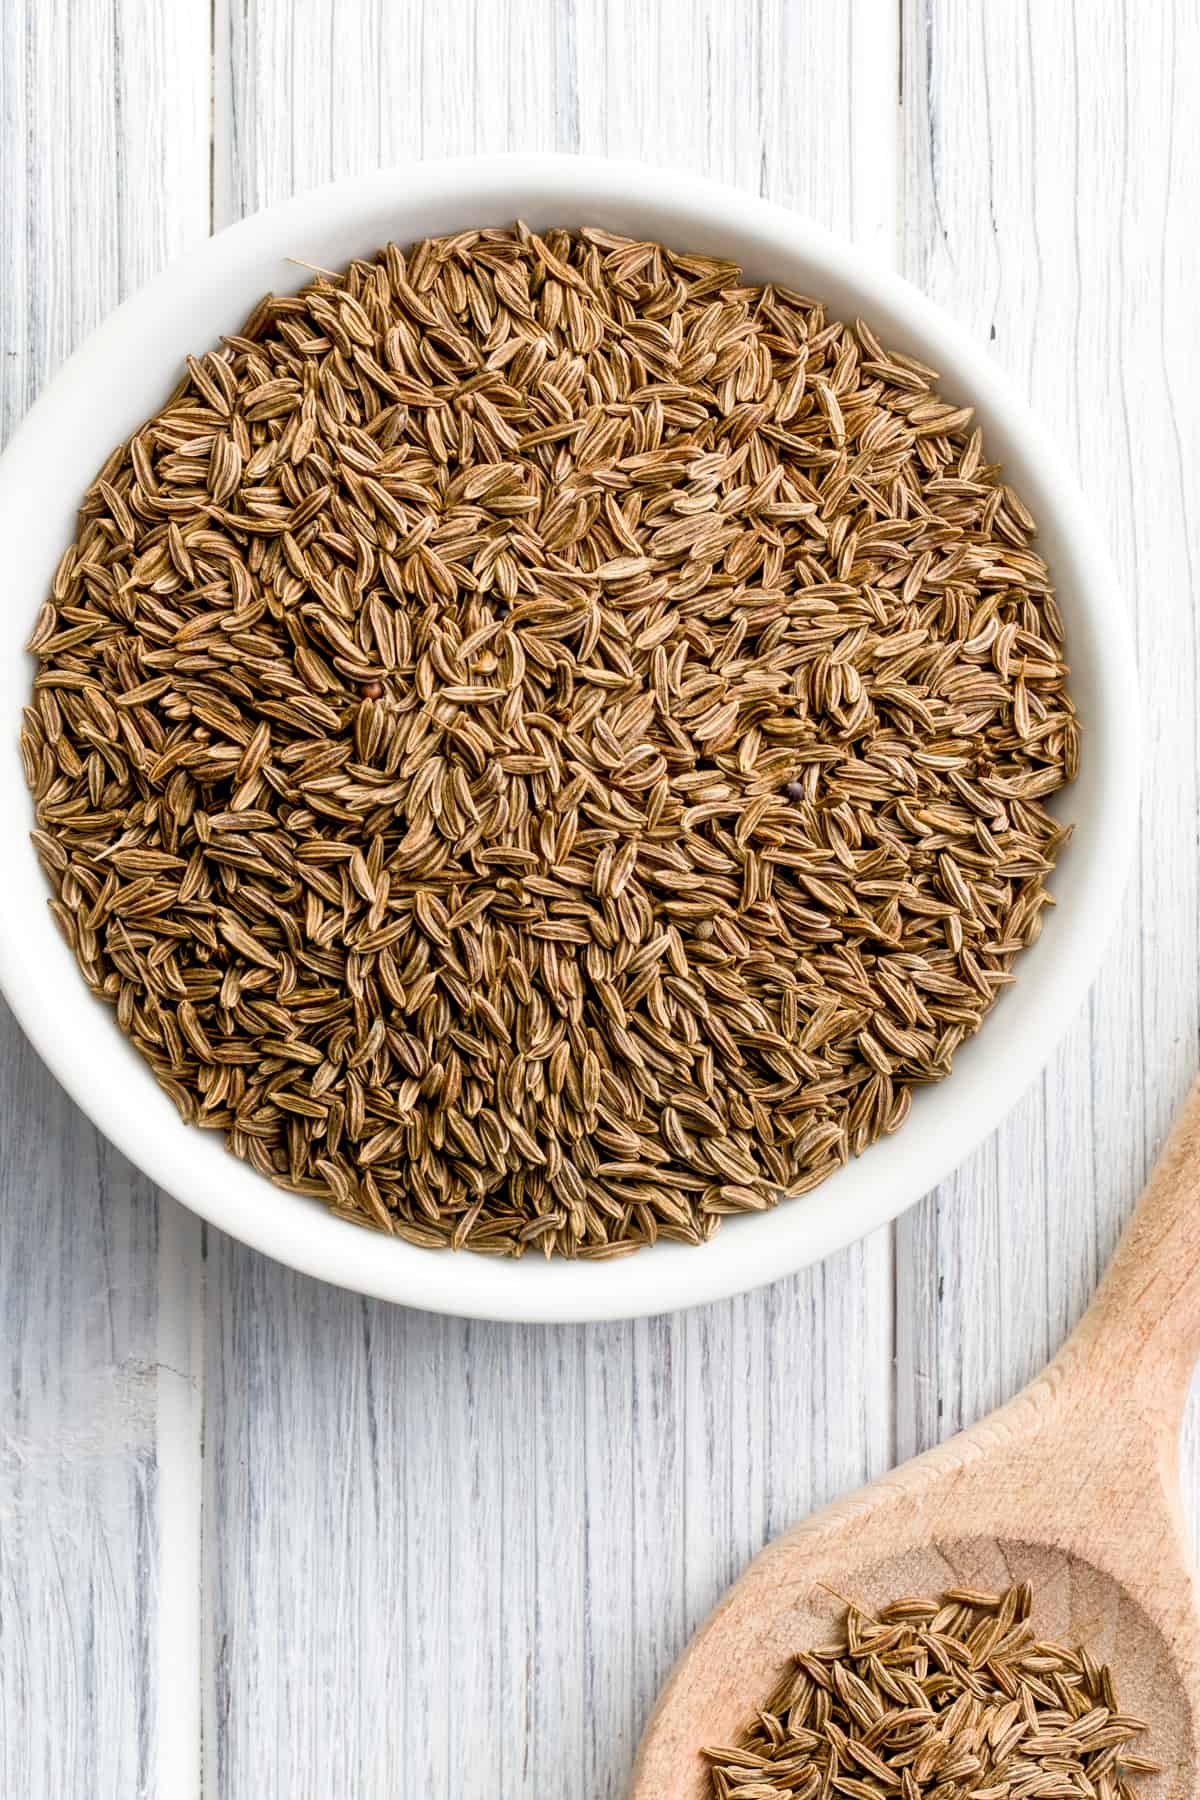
260, 1538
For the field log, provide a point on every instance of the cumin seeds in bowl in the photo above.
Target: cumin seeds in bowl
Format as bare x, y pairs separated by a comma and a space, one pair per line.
542, 743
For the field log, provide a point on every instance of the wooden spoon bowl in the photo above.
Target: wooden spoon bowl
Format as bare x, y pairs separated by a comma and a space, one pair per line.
1073, 1487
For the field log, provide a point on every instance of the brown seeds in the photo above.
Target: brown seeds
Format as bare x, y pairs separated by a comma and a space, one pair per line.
542, 743
953, 1698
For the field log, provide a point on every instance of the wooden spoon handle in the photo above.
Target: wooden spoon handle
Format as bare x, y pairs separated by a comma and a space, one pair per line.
1142, 1330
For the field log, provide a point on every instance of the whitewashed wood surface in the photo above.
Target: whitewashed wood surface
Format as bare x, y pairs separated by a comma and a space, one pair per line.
261, 1538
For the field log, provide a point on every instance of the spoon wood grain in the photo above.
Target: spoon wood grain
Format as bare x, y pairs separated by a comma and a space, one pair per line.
1073, 1486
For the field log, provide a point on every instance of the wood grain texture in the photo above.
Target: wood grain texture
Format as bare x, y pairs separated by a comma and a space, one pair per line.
1049, 153
1035, 1493
104, 161
457, 1558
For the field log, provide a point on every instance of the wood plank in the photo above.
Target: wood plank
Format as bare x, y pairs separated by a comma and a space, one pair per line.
1049, 160
785, 1394
104, 148
534, 1518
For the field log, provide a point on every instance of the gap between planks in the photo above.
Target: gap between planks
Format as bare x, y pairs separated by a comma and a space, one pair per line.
876, 140
180, 1363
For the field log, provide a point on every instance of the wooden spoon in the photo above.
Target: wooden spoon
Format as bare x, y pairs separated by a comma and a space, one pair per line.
1073, 1486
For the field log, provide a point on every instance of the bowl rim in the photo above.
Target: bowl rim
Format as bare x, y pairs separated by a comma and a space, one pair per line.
300, 1232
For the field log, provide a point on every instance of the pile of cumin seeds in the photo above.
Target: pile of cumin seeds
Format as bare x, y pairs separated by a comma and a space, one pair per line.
952, 1698
544, 743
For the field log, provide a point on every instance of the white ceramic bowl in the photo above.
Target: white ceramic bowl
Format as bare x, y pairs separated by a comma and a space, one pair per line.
123, 373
